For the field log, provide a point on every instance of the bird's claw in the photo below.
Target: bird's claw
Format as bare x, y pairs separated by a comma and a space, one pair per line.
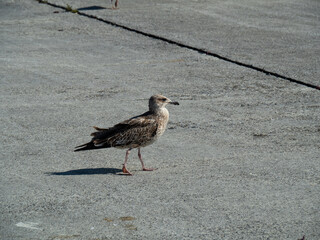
126, 171
148, 169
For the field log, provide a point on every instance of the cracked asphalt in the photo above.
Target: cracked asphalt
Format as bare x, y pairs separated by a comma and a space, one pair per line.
240, 157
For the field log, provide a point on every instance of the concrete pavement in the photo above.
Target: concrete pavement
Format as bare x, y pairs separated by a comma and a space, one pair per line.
240, 158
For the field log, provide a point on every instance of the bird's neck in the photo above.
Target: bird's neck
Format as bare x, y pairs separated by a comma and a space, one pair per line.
161, 112
163, 116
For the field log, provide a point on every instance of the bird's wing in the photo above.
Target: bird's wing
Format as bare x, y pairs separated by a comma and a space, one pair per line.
133, 131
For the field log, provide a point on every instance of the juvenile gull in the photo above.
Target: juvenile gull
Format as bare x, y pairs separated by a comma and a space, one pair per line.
139, 131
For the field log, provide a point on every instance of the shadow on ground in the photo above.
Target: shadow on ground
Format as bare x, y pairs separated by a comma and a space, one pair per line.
87, 171
91, 8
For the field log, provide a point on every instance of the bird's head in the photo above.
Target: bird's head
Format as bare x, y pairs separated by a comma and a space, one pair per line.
158, 101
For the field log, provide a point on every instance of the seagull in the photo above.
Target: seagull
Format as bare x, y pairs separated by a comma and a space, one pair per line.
139, 131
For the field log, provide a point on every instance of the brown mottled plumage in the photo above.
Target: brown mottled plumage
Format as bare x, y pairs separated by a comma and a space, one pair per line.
136, 132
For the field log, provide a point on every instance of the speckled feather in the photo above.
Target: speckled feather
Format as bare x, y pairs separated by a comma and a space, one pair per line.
132, 133
136, 132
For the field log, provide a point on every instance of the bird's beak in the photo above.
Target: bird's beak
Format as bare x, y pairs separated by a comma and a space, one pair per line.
174, 103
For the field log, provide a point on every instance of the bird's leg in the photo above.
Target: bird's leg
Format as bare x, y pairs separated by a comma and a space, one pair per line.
124, 168
143, 167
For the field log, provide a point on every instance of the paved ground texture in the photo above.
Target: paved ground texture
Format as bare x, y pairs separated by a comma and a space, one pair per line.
240, 158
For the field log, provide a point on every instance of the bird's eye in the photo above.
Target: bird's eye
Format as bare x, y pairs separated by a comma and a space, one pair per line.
163, 99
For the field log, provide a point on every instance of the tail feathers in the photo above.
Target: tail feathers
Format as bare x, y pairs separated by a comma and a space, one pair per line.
90, 146
99, 129
98, 141
86, 146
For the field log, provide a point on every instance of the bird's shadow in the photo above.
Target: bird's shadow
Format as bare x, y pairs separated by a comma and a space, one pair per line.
90, 8
87, 171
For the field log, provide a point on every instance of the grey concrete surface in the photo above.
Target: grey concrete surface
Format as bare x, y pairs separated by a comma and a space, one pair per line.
240, 158
280, 36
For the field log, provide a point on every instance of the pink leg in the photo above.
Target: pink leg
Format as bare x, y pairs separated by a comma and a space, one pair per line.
124, 168
143, 167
